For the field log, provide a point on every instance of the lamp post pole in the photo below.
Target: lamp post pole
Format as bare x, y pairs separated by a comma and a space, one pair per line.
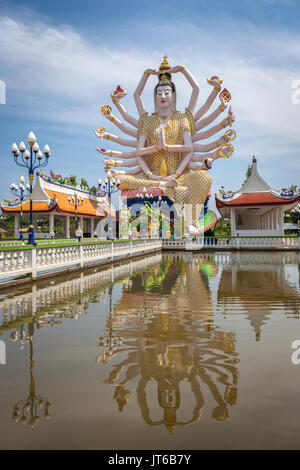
160, 216
20, 195
32, 161
109, 187
76, 202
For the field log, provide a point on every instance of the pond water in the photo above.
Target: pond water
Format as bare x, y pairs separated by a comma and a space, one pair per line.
172, 351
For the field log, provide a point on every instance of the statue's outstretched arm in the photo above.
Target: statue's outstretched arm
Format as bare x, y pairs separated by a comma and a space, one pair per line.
124, 113
120, 125
139, 90
140, 151
115, 153
211, 98
207, 158
193, 82
209, 119
121, 163
116, 173
213, 145
114, 138
213, 130
193, 166
196, 157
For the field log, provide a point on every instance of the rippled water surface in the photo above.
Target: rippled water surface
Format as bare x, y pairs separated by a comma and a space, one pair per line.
179, 351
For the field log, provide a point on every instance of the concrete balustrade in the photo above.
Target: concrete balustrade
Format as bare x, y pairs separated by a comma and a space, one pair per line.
33, 262
234, 243
23, 261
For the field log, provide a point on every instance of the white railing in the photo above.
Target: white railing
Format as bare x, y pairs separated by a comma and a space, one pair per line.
233, 243
175, 244
21, 262
15, 260
253, 242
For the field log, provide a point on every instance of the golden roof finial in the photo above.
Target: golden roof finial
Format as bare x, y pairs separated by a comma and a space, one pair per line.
165, 64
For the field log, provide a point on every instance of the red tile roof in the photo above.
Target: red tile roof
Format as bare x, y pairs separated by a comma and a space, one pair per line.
36, 206
89, 206
256, 199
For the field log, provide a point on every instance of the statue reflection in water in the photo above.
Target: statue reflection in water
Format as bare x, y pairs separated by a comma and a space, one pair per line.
162, 329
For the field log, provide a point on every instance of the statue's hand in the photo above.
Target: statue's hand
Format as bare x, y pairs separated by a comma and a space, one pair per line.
101, 134
162, 139
169, 178
104, 151
170, 181
157, 178
228, 119
228, 137
113, 172
178, 68
109, 162
151, 72
224, 104
226, 150
214, 82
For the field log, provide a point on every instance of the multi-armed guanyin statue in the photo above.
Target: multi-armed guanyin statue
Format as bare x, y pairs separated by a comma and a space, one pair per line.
165, 153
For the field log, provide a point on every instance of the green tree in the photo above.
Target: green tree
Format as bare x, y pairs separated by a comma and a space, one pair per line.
292, 216
222, 228
248, 173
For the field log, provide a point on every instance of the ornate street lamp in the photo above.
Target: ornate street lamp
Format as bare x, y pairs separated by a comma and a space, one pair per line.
32, 161
20, 194
108, 187
76, 201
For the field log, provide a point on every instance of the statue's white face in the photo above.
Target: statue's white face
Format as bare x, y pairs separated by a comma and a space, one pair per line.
164, 97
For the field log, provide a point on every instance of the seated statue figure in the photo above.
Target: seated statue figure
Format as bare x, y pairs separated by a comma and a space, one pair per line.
165, 150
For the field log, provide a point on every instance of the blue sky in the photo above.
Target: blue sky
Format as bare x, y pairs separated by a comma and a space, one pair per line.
61, 60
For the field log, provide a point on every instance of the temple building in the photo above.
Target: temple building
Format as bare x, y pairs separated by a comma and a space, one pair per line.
256, 209
51, 199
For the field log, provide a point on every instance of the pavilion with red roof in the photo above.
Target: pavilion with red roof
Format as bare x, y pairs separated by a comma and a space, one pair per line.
256, 209
51, 200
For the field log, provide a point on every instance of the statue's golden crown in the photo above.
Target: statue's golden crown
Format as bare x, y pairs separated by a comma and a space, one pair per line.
164, 76
165, 64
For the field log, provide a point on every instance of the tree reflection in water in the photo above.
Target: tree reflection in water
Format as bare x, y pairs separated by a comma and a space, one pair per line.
165, 320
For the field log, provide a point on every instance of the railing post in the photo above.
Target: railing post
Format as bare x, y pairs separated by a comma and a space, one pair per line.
112, 250
33, 263
131, 248
81, 255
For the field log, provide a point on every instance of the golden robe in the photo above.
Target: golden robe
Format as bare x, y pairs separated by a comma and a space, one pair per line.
193, 187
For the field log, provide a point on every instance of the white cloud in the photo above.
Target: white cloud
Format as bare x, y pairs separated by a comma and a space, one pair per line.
73, 75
